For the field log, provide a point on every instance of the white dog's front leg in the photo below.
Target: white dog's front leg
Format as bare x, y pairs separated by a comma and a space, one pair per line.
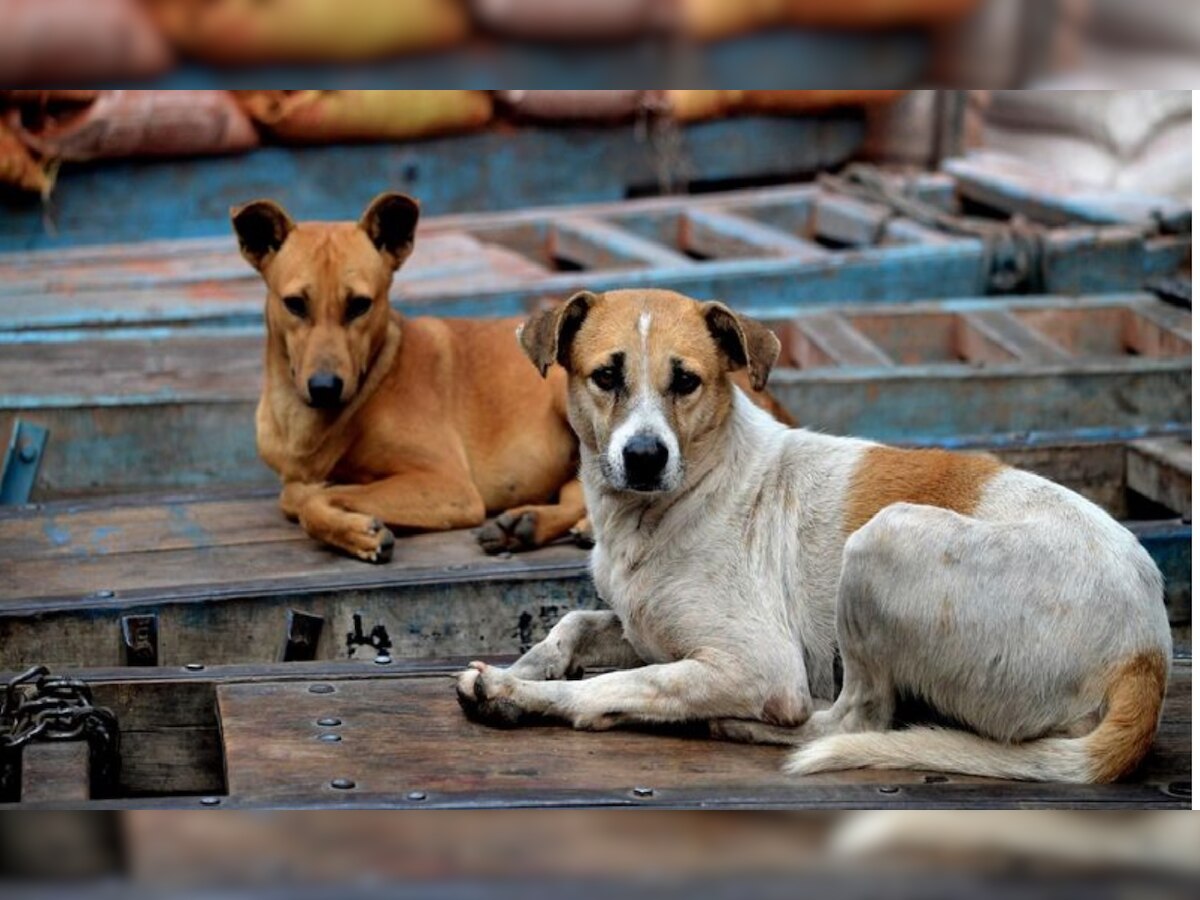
578, 640
692, 689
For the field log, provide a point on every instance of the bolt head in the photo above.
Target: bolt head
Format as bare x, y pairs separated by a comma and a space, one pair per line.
329, 737
194, 667
383, 660
643, 792
329, 722
210, 801
416, 796
320, 688
27, 453
342, 784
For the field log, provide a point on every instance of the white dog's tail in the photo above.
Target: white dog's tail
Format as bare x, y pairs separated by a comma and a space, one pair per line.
1109, 751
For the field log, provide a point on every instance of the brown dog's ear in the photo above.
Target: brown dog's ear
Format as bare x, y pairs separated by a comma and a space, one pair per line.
391, 223
546, 337
745, 342
261, 227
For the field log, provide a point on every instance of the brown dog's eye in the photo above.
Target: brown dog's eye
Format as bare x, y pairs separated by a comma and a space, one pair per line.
605, 378
357, 307
684, 383
296, 305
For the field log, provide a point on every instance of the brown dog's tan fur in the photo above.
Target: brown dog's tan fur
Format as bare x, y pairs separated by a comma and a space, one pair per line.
440, 421
888, 475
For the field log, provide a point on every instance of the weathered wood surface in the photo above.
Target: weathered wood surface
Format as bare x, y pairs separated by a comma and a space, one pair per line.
407, 742
768, 251
150, 409
220, 574
253, 731
503, 168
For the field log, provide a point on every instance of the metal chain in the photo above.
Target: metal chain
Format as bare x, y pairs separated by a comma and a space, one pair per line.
37, 706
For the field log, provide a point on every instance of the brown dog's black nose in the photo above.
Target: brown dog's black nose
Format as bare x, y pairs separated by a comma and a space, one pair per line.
645, 458
324, 390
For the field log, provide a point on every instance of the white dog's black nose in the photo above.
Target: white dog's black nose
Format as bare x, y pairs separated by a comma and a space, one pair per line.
645, 458
324, 390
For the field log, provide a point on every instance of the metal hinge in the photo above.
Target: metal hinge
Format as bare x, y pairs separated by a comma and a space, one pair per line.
21, 462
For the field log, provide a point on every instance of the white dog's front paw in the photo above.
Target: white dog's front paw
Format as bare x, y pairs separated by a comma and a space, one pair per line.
486, 695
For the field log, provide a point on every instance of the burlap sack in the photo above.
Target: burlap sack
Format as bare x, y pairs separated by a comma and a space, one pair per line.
571, 106
142, 123
321, 117
571, 20
260, 31
17, 166
809, 101
713, 19
57, 41
694, 106
876, 13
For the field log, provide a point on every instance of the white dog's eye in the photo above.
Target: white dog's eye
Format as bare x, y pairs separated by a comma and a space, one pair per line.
606, 378
684, 382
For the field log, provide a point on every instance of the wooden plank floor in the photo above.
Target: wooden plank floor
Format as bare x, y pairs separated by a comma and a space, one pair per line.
405, 742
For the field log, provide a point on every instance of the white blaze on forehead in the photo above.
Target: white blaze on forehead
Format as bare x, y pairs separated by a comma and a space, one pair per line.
645, 417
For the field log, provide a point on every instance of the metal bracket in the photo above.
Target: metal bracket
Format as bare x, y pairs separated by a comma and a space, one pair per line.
21, 462
139, 636
303, 634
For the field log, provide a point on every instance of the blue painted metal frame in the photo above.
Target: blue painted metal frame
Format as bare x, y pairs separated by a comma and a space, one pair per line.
22, 460
760, 250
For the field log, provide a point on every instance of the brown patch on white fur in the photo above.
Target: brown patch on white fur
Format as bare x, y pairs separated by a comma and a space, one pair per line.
1134, 700
887, 475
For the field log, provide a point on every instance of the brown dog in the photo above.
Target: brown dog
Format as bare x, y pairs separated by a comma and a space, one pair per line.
374, 420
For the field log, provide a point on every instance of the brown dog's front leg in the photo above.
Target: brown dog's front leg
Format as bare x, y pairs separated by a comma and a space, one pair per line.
527, 527
354, 517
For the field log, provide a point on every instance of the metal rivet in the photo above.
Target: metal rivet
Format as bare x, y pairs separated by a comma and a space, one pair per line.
889, 789
329, 737
416, 796
383, 660
342, 784
936, 779
194, 667
643, 792
104, 594
1179, 789
28, 453
210, 801
329, 722
320, 688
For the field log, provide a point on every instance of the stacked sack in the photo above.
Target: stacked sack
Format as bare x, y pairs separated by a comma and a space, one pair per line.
41, 129
1114, 140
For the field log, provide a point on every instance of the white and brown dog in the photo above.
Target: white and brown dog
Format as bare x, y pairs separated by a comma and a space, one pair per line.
741, 557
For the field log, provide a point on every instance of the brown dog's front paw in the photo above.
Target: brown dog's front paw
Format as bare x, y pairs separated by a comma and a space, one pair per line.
582, 535
368, 539
510, 531
485, 695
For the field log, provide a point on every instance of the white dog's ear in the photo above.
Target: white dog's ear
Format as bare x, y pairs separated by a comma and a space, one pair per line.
546, 337
261, 227
744, 342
